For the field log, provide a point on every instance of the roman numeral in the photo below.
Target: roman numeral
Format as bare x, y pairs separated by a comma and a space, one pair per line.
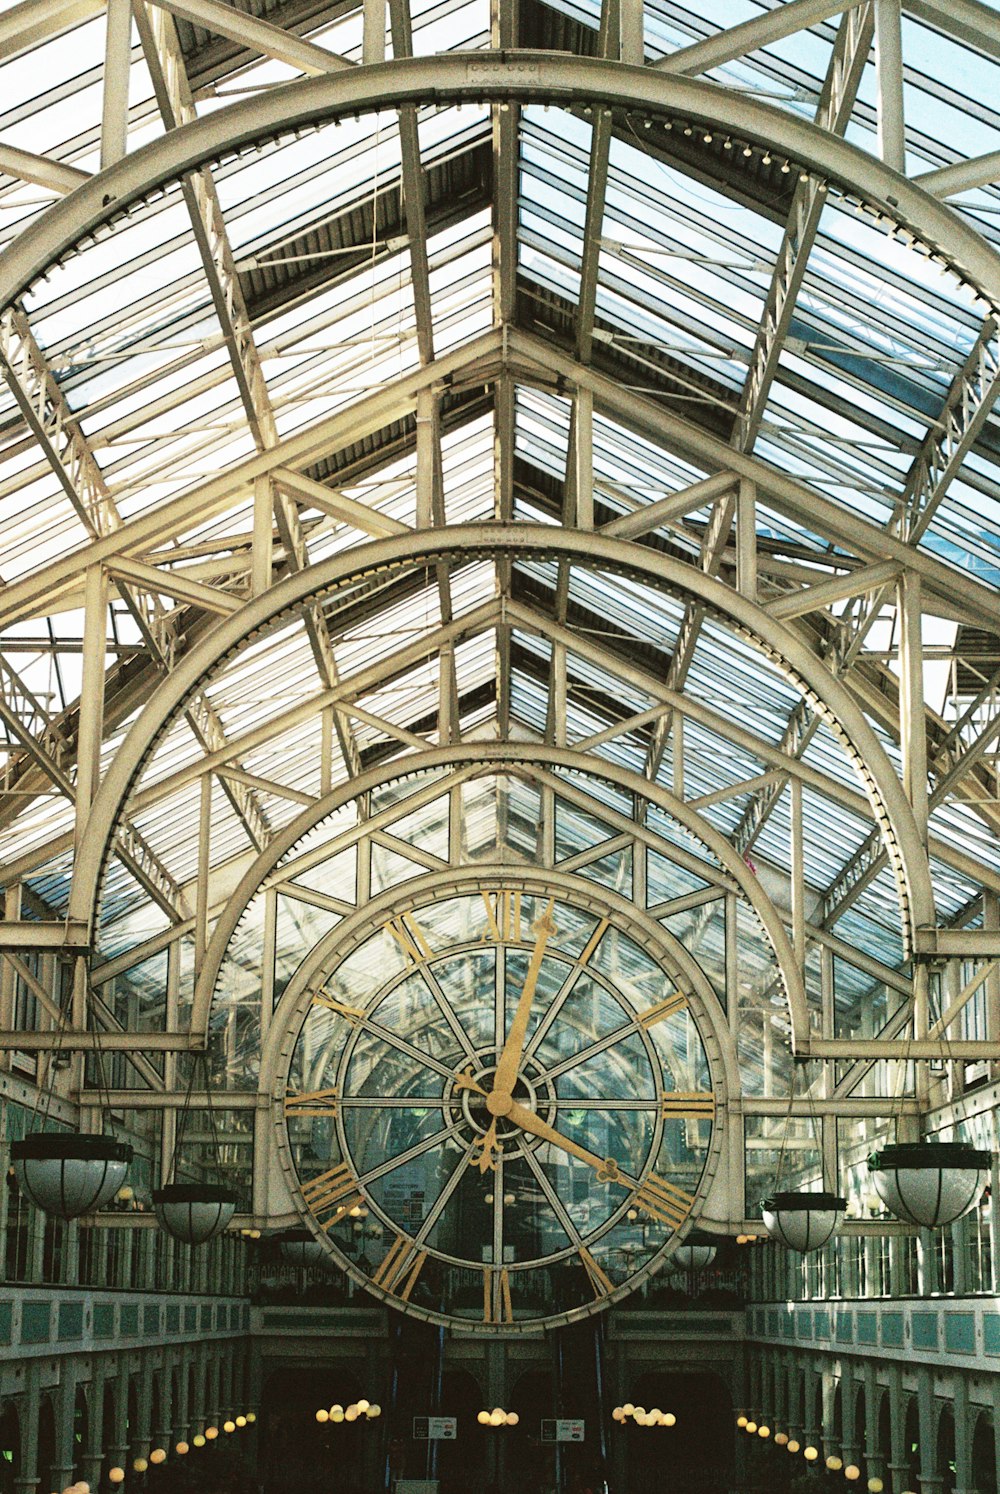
503, 917
350, 1013
408, 935
599, 1280
497, 1306
399, 1270
335, 1190
687, 1104
665, 1008
663, 1201
319, 1102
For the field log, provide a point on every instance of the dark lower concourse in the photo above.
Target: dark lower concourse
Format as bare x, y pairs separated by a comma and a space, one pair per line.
499, 746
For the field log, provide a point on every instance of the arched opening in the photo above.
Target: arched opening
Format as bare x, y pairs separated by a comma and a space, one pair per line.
984, 1456
81, 1431
945, 1450
46, 1442
10, 1447
885, 1430
696, 1454
911, 1442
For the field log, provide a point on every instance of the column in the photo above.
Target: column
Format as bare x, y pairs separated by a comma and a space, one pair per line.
930, 1480
964, 1423
898, 1466
64, 1407
93, 1449
27, 1410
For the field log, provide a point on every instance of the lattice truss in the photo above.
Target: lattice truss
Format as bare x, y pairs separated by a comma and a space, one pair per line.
591, 403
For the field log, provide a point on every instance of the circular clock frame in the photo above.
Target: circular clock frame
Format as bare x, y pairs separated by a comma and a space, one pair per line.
586, 898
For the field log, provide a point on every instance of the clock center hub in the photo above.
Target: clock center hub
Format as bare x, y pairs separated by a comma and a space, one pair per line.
481, 1110
499, 1102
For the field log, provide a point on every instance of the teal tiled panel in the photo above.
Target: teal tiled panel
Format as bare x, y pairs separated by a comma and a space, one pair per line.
892, 1330
991, 1332
104, 1320
71, 1320
129, 1319
173, 1318
867, 1329
206, 1317
34, 1322
190, 1318
960, 1332
822, 1323
772, 1322
925, 1330
788, 1324
151, 1321
845, 1328
803, 1324
6, 1321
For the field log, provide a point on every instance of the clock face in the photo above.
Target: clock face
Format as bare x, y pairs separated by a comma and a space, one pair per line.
499, 1110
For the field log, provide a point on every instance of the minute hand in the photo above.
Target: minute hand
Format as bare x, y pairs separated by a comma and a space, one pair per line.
510, 1059
606, 1167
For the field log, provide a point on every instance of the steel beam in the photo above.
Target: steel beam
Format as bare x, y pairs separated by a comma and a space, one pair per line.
30, 934
42, 171
256, 34
102, 1042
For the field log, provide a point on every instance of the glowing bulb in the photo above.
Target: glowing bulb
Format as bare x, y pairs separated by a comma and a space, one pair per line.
670, 1420
211, 1433
628, 1408
199, 1440
229, 1426
322, 1415
875, 1486
363, 1405
512, 1418
810, 1455
116, 1475
751, 1427
241, 1421
655, 1414
834, 1464
496, 1418
852, 1472
741, 1421
351, 1414
638, 1411
763, 1431
792, 1446
181, 1449
251, 1418
780, 1438
337, 1414
158, 1455
483, 1418
140, 1465
373, 1411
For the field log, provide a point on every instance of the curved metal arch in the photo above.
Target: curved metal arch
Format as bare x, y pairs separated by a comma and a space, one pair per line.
423, 889
503, 757
453, 77
827, 694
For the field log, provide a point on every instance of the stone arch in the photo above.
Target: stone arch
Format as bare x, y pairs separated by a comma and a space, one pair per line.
10, 1446
984, 1455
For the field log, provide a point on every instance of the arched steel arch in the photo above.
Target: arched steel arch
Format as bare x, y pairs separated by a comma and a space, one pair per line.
498, 757
473, 76
828, 695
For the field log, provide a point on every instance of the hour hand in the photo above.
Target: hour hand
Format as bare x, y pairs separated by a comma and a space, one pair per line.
606, 1167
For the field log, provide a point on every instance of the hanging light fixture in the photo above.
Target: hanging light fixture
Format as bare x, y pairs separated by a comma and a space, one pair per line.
800, 1220
194, 1212
697, 1252
929, 1183
67, 1174
299, 1247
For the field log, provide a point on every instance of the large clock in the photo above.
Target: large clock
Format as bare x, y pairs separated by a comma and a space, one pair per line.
498, 1108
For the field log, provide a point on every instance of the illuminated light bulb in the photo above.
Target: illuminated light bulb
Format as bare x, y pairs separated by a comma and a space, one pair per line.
199, 1440
810, 1454
670, 1420
489, 1198
373, 1411
834, 1464
251, 1418
628, 1409
81, 1486
363, 1405
512, 1418
852, 1472
211, 1433
337, 1414
618, 1414
763, 1431
875, 1486
483, 1418
351, 1414
741, 1421
780, 1438
241, 1421
229, 1426
791, 1446
322, 1415
181, 1449
125, 1195
638, 1411
116, 1475
140, 1465
158, 1455
496, 1418
751, 1427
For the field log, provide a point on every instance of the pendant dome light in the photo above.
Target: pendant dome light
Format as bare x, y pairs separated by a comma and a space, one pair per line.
696, 1252
299, 1247
929, 1183
194, 1211
67, 1174
800, 1220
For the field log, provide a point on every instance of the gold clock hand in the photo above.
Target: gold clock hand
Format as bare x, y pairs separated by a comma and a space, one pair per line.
506, 1070
462, 1080
606, 1167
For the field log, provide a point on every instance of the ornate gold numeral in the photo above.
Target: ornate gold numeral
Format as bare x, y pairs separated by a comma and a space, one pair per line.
399, 1270
335, 1190
503, 917
665, 1202
497, 1306
319, 1102
594, 941
665, 1008
599, 1280
688, 1104
409, 936
351, 1013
